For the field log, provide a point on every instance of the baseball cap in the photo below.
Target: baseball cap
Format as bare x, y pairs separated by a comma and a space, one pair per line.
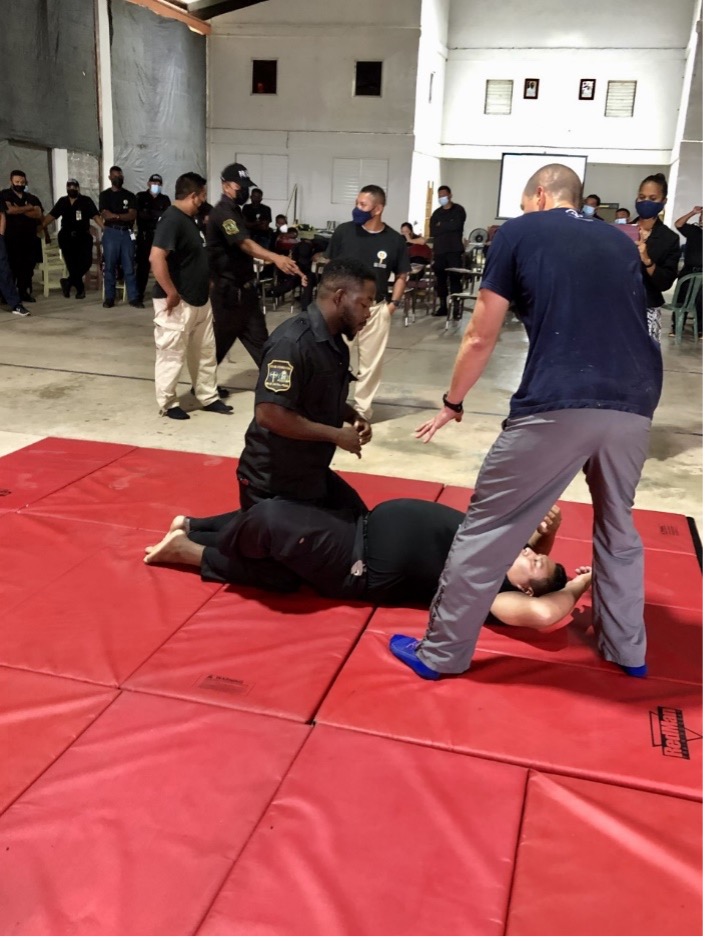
72, 180
155, 178
236, 173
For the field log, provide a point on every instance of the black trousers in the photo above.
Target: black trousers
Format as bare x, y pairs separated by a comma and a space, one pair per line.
444, 281
77, 249
339, 496
237, 315
144, 247
7, 282
22, 255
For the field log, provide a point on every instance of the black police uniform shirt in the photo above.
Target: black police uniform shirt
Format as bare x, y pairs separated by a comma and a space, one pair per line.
446, 229
259, 213
577, 288
693, 255
20, 227
178, 234
150, 209
117, 201
75, 215
225, 232
307, 370
385, 252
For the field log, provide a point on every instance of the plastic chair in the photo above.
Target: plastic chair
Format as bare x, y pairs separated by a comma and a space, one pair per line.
687, 289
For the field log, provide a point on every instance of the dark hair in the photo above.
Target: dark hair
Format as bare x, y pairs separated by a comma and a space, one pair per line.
377, 192
444, 187
256, 189
189, 183
542, 586
344, 273
114, 168
413, 234
18, 173
280, 216
659, 179
622, 209
594, 196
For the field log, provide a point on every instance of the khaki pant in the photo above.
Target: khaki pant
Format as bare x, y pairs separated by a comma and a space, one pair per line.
185, 334
370, 343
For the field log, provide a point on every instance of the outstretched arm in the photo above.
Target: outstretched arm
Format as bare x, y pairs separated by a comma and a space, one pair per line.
545, 533
518, 610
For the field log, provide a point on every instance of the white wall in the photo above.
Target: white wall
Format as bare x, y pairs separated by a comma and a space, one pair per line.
315, 116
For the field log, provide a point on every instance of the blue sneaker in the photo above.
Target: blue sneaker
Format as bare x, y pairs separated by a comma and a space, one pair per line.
404, 649
634, 671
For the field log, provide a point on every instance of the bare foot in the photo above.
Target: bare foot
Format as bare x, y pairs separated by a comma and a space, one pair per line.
179, 524
174, 547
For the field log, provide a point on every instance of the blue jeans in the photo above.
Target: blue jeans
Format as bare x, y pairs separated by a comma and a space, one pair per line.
118, 249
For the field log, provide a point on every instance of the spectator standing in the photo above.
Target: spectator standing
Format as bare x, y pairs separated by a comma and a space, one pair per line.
118, 208
659, 247
24, 216
8, 288
76, 212
446, 229
152, 203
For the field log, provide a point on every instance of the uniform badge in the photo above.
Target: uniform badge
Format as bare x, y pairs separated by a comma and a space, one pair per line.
278, 375
230, 227
381, 259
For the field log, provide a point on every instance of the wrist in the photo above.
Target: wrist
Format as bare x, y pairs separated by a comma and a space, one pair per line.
456, 407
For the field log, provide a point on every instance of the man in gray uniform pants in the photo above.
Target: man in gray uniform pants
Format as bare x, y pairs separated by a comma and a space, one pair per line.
590, 386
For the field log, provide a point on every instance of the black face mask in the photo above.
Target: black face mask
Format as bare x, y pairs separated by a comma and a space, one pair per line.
19, 188
242, 195
72, 192
117, 181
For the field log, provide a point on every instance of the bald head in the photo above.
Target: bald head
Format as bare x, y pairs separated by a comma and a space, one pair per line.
552, 185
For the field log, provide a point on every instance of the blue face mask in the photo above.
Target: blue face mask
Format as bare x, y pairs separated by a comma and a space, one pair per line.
360, 216
155, 189
443, 200
588, 210
648, 208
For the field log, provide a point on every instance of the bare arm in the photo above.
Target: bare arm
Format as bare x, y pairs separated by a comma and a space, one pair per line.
34, 212
3, 223
289, 424
47, 220
283, 262
476, 348
695, 211
518, 610
398, 289
545, 535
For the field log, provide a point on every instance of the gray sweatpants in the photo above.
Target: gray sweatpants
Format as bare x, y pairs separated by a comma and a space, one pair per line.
525, 472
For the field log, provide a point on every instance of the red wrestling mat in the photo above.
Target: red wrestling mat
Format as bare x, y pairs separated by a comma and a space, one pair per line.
40, 716
42, 468
566, 719
594, 860
103, 612
147, 488
134, 829
372, 837
376, 489
667, 531
274, 654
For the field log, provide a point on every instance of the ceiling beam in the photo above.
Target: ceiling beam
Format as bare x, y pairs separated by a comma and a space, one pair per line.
207, 9
172, 12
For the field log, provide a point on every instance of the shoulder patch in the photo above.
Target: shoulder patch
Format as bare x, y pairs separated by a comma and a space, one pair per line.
279, 372
230, 227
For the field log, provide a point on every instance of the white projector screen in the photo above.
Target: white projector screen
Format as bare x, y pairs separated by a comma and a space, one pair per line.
516, 171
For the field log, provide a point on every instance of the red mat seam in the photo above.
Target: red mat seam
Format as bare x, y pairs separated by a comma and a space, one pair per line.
256, 825
520, 830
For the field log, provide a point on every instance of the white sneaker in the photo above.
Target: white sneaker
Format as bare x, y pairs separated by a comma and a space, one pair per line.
21, 311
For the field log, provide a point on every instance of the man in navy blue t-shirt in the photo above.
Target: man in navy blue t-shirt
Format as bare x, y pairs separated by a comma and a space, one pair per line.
590, 386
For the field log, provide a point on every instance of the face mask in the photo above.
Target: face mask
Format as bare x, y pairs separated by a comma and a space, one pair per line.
242, 195
588, 210
648, 208
155, 189
621, 221
19, 189
360, 216
72, 191
117, 181
443, 200
283, 229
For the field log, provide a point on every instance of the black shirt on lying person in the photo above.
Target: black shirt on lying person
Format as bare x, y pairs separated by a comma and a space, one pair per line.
179, 235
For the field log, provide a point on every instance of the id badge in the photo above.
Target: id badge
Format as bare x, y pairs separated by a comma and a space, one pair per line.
79, 215
133, 236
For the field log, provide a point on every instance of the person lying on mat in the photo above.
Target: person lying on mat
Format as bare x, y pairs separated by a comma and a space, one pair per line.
394, 555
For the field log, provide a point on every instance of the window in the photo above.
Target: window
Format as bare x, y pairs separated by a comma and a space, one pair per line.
350, 174
498, 96
368, 78
264, 76
620, 99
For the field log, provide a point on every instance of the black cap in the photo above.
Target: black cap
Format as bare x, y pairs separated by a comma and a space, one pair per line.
155, 178
236, 173
71, 180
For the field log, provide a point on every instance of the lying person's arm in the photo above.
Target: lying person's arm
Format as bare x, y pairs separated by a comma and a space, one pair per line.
545, 534
516, 609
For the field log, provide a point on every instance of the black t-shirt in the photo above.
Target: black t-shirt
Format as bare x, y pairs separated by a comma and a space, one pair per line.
117, 201
75, 215
225, 232
20, 227
385, 251
577, 287
693, 257
178, 234
253, 214
446, 229
150, 209
305, 369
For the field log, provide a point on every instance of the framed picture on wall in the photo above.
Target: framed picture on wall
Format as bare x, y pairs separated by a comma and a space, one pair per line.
531, 88
586, 92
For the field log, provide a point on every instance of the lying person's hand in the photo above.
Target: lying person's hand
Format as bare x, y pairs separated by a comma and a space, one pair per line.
551, 521
583, 578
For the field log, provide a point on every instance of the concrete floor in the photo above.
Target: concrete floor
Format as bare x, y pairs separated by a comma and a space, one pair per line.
73, 369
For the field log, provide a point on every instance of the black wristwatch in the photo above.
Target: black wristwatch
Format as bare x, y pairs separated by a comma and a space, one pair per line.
453, 406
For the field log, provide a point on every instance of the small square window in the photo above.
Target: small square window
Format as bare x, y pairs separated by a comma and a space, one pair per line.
498, 96
264, 76
619, 102
368, 78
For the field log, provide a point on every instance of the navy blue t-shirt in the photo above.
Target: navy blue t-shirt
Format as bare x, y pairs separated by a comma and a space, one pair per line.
578, 290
